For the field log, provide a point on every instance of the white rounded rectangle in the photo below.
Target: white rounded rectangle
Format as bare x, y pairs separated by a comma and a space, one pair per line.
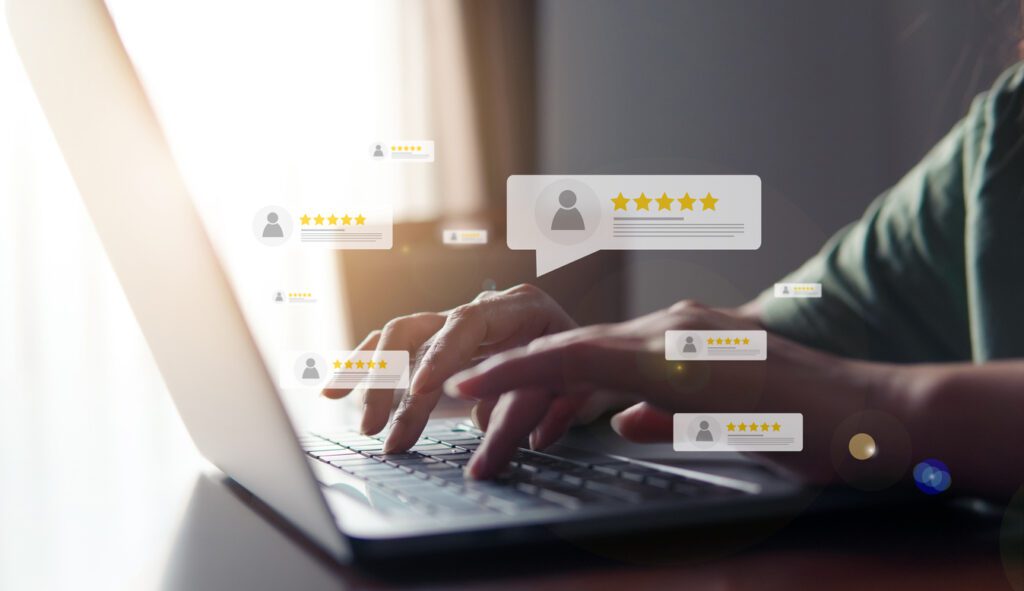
351, 224
385, 370
737, 431
456, 237
798, 290
716, 345
567, 217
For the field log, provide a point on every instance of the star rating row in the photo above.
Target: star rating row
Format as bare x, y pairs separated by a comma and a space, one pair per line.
332, 220
753, 427
360, 364
727, 341
665, 203
300, 294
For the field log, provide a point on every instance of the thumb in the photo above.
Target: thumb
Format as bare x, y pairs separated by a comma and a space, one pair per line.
643, 423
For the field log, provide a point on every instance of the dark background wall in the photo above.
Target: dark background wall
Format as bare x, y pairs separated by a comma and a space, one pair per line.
829, 102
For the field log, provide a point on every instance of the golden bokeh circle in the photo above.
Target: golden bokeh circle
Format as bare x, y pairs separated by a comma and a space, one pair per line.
862, 446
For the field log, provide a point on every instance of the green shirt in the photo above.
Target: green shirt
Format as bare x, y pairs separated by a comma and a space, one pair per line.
934, 271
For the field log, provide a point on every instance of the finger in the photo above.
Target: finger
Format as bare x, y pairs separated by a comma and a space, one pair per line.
369, 343
561, 415
402, 334
565, 367
643, 423
514, 416
495, 321
481, 413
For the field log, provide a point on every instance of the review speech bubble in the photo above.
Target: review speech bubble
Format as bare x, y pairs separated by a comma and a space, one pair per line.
565, 218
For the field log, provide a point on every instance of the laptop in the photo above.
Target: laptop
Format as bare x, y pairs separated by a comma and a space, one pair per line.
338, 488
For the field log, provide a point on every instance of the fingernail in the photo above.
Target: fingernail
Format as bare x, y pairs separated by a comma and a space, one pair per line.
452, 389
534, 440
474, 415
616, 422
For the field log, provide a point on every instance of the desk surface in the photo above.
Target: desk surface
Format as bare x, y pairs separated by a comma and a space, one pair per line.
189, 529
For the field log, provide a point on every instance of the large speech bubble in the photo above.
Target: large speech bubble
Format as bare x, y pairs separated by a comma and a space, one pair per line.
565, 218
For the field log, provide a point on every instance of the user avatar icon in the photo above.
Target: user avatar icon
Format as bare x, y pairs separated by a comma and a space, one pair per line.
378, 151
272, 229
567, 217
272, 226
689, 347
785, 289
704, 434
311, 372
279, 297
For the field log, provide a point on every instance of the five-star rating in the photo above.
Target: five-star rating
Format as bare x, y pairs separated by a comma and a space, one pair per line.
359, 364
753, 427
728, 341
332, 220
663, 203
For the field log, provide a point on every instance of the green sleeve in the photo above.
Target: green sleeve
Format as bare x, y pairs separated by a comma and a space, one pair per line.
894, 282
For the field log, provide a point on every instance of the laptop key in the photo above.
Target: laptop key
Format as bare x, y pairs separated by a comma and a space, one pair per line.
354, 461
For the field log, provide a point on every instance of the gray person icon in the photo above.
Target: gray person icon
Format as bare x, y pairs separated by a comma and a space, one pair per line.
567, 217
378, 151
689, 347
279, 297
272, 229
310, 373
705, 433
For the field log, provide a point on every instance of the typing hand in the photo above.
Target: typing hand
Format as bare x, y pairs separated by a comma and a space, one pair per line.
441, 344
629, 358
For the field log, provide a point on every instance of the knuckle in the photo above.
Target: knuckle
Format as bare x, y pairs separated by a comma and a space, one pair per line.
396, 325
686, 306
464, 312
526, 289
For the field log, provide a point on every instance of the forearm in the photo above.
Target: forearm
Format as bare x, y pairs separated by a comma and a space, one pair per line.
969, 416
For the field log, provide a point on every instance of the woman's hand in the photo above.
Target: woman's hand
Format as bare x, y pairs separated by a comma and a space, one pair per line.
441, 344
629, 358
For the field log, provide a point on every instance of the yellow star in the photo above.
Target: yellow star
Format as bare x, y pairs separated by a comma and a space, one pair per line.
337, 364
643, 202
753, 426
764, 426
687, 202
711, 341
370, 364
708, 202
382, 364
348, 364
359, 365
776, 427
728, 341
664, 202
731, 427
305, 220
746, 341
333, 220
360, 220
319, 220
346, 220
743, 427
719, 341
620, 203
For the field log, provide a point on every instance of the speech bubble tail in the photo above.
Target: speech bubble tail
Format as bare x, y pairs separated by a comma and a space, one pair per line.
550, 259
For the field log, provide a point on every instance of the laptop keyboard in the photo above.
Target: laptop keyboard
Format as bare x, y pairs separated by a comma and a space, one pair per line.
428, 479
